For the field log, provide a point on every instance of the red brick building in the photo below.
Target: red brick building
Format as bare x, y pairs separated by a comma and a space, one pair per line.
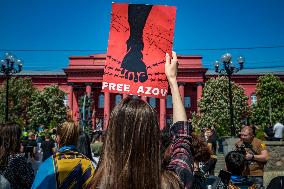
84, 75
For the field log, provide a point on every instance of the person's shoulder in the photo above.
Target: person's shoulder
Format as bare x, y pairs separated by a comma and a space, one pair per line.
257, 140
260, 143
45, 166
278, 125
45, 177
18, 161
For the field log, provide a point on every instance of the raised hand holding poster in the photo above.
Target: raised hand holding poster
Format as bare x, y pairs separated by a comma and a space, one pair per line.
140, 35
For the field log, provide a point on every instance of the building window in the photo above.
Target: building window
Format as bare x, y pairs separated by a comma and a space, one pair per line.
117, 99
187, 103
253, 99
101, 101
169, 101
152, 102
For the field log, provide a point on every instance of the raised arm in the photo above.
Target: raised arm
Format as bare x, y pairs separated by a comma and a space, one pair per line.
180, 132
171, 68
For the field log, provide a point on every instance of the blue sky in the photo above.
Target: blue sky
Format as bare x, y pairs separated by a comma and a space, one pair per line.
200, 25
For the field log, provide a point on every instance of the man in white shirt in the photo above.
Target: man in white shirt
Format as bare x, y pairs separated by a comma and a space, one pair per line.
278, 131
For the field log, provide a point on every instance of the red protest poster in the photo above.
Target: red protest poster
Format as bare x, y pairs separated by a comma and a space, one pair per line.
140, 35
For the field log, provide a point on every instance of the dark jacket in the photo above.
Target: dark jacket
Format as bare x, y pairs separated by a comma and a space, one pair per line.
18, 172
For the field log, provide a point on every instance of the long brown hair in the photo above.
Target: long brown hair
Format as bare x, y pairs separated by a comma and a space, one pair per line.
9, 141
131, 154
68, 133
199, 149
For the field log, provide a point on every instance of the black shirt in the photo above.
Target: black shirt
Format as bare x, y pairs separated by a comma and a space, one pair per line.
47, 149
29, 145
269, 131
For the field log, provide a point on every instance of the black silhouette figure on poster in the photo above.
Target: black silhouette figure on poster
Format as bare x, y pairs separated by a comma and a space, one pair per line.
132, 64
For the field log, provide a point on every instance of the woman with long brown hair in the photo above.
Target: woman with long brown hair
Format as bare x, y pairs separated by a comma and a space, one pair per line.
131, 156
13, 166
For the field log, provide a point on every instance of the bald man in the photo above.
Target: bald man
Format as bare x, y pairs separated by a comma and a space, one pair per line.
256, 155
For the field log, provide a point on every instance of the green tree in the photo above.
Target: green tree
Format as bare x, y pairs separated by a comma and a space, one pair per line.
21, 91
47, 107
270, 101
214, 106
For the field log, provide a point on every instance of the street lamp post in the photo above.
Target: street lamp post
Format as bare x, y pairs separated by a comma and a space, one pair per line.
229, 69
9, 65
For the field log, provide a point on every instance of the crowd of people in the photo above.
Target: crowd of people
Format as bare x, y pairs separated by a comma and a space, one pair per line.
274, 133
133, 153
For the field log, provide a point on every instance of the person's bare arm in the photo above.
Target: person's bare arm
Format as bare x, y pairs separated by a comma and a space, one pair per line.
171, 73
180, 132
262, 157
